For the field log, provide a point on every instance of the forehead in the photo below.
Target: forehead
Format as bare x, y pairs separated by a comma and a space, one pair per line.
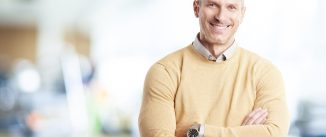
225, 1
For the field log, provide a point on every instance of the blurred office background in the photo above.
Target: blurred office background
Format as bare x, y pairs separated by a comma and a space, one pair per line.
75, 68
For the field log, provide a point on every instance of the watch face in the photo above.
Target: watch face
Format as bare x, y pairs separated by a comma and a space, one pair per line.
192, 133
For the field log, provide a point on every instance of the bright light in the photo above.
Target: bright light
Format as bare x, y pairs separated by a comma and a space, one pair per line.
29, 80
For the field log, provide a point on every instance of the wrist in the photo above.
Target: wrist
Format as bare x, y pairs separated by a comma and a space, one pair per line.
197, 130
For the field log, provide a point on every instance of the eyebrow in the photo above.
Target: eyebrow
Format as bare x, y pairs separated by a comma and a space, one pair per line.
235, 3
211, 1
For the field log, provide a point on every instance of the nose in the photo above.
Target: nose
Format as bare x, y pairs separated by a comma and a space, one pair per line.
220, 14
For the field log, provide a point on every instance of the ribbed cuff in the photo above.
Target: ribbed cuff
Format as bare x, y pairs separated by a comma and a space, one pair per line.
202, 130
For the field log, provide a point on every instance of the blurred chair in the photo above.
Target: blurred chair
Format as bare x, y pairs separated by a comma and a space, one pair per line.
311, 120
12, 113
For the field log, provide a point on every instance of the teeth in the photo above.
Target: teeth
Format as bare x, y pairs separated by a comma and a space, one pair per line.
219, 26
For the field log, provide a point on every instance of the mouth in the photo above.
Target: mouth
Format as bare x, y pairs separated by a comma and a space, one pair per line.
219, 28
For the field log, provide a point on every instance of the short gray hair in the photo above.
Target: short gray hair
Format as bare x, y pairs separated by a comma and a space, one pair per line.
242, 2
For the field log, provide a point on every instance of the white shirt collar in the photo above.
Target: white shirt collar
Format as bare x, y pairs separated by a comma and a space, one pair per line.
227, 54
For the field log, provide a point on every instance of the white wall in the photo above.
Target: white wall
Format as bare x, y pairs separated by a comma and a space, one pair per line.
290, 33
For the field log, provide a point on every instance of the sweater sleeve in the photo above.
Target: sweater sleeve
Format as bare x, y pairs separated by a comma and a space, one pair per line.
157, 115
270, 95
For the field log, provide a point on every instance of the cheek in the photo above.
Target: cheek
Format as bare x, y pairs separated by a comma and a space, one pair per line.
236, 18
206, 15
203, 20
237, 23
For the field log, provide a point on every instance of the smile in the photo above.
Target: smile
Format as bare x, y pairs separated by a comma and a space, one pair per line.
219, 28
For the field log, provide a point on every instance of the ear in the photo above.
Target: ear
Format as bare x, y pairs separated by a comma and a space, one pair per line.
196, 7
243, 12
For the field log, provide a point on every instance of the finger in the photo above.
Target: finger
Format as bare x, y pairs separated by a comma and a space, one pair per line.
261, 119
254, 116
245, 121
264, 121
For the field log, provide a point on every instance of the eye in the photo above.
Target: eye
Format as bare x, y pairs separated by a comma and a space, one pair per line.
232, 7
211, 5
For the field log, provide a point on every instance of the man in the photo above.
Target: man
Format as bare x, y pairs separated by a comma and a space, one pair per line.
213, 87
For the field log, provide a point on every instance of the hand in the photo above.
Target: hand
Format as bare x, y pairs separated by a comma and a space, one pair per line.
181, 131
256, 117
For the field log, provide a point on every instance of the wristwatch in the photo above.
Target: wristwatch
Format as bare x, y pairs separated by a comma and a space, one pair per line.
196, 130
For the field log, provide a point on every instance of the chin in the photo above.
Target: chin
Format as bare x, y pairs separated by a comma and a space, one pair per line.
219, 41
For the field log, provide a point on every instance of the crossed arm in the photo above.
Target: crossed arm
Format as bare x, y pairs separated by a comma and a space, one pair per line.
157, 116
256, 117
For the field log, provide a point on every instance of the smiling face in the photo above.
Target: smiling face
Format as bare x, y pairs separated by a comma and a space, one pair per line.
219, 20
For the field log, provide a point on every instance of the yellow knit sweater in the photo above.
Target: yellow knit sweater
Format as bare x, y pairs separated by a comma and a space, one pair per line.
184, 88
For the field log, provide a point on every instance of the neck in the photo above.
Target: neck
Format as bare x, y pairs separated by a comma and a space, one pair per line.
216, 49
